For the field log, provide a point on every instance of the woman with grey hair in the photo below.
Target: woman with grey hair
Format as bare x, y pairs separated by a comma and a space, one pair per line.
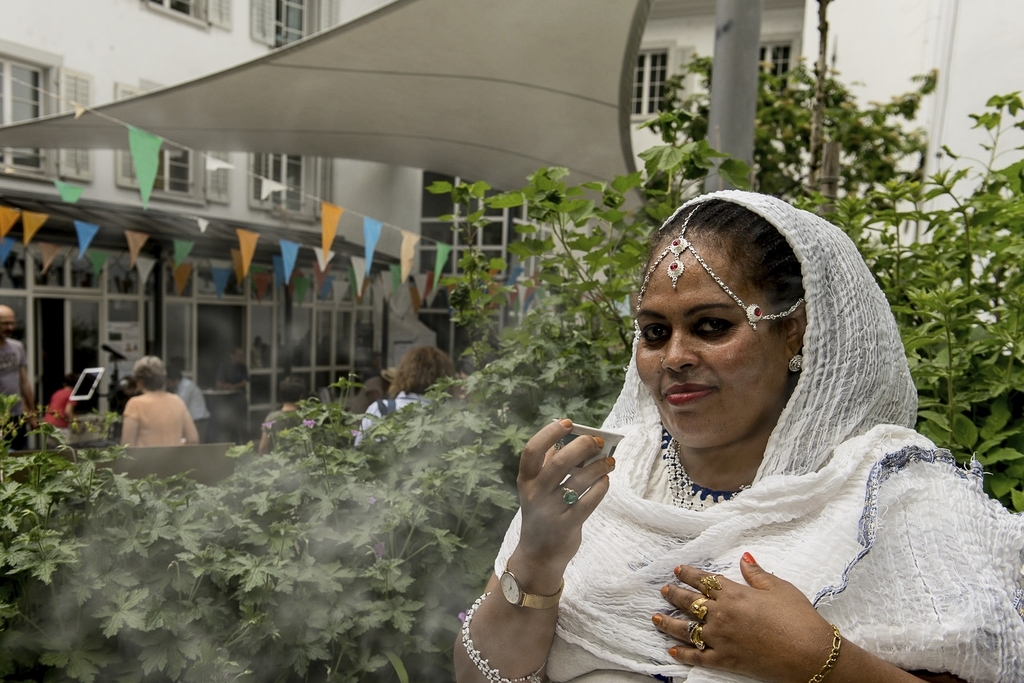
156, 417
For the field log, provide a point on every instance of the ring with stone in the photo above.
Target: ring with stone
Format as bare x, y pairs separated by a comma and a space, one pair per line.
558, 445
697, 635
569, 497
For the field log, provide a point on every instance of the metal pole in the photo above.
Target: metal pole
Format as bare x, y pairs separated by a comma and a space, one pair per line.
734, 77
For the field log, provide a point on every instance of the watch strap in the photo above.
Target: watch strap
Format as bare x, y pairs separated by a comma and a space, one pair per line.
541, 601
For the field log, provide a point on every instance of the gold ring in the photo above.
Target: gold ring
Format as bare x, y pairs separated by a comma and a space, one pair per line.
712, 583
698, 609
697, 635
569, 497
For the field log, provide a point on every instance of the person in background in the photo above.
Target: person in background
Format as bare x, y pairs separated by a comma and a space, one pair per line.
234, 376
14, 378
61, 409
156, 417
191, 394
290, 390
416, 372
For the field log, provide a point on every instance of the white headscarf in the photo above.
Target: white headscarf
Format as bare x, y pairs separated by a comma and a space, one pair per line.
938, 589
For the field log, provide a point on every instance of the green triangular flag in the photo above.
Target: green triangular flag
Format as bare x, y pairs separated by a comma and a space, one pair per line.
440, 261
68, 193
98, 258
145, 149
396, 276
301, 285
257, 268
182, 248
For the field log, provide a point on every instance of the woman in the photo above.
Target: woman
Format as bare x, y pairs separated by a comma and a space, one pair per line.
156, 417
418, 370
766, 415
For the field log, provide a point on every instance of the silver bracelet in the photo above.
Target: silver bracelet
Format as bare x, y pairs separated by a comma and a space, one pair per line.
492, 675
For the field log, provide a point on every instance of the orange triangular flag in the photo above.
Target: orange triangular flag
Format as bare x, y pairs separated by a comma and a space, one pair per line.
181, 275
247, 248
236, 258
135, 241
329, 217
30, 224
49, 252
8, 217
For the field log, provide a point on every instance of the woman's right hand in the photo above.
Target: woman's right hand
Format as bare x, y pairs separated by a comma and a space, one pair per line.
551, 528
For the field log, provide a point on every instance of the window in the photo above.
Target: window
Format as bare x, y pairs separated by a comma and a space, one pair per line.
649, 82
20, 100
191, 8
279, 22
774, 58
289, 21
75, 88
306, 177
218, 183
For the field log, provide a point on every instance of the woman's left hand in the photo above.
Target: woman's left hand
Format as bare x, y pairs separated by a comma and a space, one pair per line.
767, 630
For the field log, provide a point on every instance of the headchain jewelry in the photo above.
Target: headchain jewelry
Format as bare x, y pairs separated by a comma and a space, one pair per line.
677, 247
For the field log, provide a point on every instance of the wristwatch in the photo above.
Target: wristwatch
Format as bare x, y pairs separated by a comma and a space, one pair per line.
517, 596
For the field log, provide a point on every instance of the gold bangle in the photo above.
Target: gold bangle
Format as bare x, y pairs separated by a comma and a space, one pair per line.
837, 641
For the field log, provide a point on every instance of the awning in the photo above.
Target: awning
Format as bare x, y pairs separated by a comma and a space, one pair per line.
483, 89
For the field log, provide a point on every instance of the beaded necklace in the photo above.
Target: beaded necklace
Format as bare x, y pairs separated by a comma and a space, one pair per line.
686, 493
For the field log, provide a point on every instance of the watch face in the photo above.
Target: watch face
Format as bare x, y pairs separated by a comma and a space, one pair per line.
510, 588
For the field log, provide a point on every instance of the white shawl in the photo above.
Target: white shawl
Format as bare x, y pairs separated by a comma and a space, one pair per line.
890, 539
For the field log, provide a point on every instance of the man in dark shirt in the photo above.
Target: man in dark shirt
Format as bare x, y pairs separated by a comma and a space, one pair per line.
234, 376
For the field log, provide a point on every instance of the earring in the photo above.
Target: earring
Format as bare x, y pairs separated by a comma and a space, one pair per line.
796, 363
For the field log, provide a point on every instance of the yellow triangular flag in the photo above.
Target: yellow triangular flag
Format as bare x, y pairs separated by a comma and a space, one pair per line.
181, 275
408, 252
30, 224
8, 217
79, 110
135, 241
49, 252
236, 258
247, 248
329, 217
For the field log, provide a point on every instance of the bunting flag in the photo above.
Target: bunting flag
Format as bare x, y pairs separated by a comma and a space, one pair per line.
8, 217
319, 274
278, 270
359, 266
202, 223
262, 281
30, 224
144, 266
236, 260
326, 287
268, 187
414, 294
86, 231
371, 233
528, 298
181, 276
247, 248
98, 258
301, 287
6, 244
289, 253
79, 109
49, 252
220, 280
68, 193
387, 288
440, 261
408, 252
396, 276
182, 248
421, 287
135, 241
215, 164
145, 151
257, 268
329, 217
322, 258
429, 286
513, 275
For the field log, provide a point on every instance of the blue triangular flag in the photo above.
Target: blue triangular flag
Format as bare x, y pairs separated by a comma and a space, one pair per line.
327, 286
289, 252
220, 279
86, 231
278, 270
514, 275
5, 249
371, 233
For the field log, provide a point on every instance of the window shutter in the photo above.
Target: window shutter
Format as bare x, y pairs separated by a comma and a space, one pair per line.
263, 21
219, 13
218, 183
330, 13
75, 87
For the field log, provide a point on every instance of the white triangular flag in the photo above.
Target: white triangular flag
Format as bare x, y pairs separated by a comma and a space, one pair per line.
359, 266
79, 110
144, 264
386, 285
267, 186
203, 223
322, 260
215, 164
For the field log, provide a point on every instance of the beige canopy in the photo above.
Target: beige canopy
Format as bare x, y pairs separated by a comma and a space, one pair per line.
484, 89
